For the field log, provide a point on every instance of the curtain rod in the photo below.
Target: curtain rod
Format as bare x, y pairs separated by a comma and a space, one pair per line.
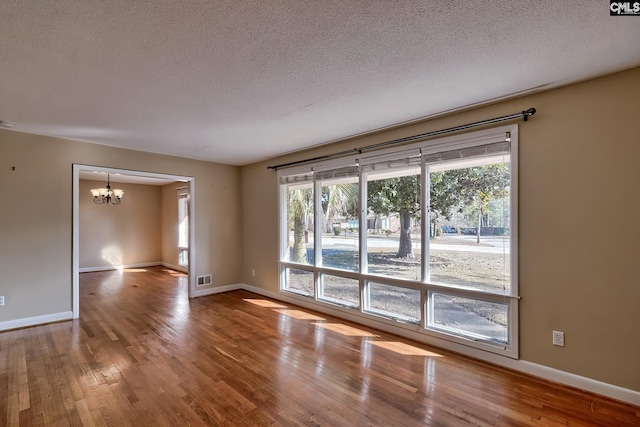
524, 114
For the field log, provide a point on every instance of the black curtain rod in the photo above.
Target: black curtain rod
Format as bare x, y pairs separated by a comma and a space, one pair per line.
524, 114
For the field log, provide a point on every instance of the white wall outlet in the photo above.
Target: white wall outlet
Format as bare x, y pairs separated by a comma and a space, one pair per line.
1, 300
558, 338
253, 272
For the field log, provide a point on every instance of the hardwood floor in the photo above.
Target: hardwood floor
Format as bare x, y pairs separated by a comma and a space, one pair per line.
142, 354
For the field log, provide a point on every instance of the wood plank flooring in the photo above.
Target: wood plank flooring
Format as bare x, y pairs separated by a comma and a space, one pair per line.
142, 354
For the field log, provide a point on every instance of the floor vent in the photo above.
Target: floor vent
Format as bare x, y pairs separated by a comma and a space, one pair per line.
203, 280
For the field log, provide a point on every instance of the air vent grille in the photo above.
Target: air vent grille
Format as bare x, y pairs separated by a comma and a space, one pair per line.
203, 280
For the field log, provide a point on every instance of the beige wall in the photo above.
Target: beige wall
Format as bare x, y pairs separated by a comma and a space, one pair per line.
36, 225
579, 228
129, 233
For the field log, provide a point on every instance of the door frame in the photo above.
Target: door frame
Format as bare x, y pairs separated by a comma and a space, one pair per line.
77, 168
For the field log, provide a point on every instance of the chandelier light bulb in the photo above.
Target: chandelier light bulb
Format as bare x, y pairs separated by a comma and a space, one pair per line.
107, 196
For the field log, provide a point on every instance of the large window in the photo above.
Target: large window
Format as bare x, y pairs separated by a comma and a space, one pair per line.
423, 234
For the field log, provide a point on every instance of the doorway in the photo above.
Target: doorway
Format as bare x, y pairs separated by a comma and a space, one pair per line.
187, 182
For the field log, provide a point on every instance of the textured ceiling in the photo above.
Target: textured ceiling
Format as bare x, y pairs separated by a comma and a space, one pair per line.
239, 81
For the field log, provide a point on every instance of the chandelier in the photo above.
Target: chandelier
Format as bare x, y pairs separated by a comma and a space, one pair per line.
107, 195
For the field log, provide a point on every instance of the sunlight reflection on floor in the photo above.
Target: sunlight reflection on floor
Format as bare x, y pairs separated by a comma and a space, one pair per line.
340, 328
264, 303
299, 314
403, 348
175, 273
345, 330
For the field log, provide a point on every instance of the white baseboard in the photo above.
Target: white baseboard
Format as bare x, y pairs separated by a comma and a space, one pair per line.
118, 267
530, 368
577, 381
217, 290
35, 320
137, 265
180, 268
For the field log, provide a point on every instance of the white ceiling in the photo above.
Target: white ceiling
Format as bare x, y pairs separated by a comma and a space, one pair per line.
239, 81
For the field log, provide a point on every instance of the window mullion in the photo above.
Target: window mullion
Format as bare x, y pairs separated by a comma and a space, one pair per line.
284, 223
425, 226
362, 186
317, 230
317, 223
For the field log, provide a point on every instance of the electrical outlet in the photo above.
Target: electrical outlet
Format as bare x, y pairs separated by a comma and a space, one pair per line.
253, 272
1, 300
558, 338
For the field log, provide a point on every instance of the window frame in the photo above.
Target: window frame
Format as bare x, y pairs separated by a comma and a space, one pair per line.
443, 144
183, 207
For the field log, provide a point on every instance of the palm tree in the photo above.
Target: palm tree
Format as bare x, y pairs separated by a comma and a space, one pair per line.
339, 200
300, 205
